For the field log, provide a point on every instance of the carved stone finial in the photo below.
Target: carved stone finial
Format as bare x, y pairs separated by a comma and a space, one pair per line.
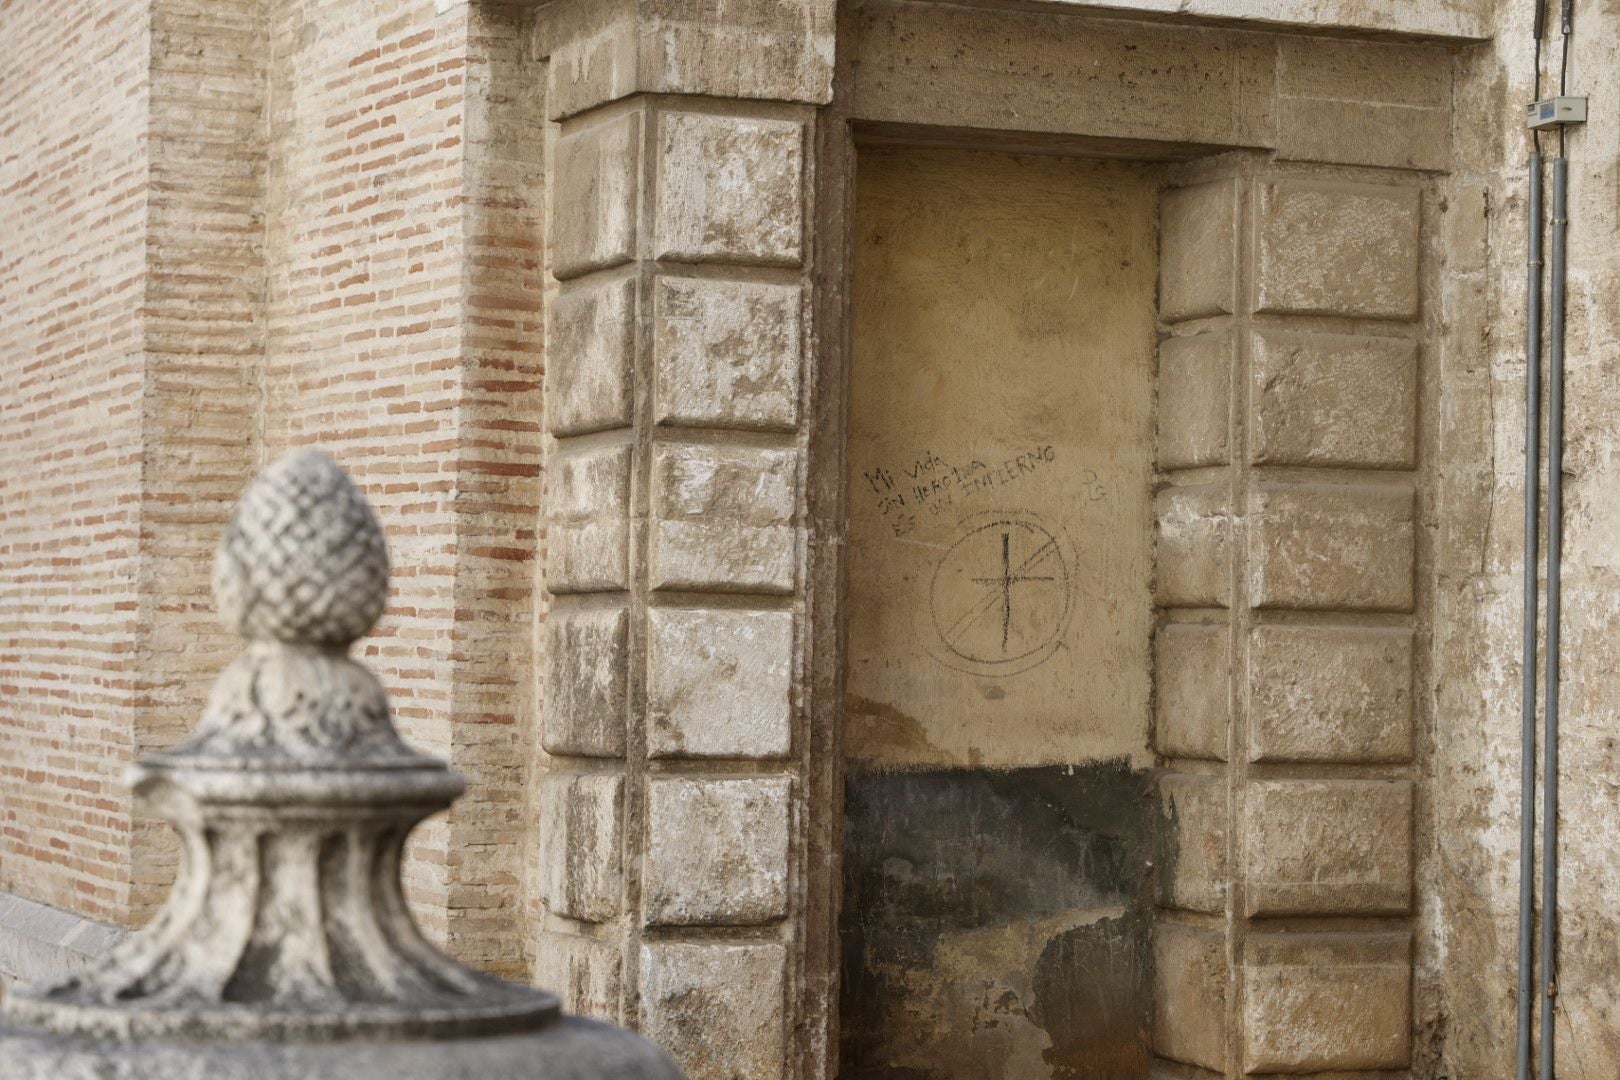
287, 930
303, 559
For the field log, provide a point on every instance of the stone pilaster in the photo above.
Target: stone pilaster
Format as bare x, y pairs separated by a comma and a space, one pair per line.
1288, 555
672, 718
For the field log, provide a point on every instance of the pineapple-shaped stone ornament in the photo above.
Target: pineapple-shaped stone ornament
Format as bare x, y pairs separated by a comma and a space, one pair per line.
286, 949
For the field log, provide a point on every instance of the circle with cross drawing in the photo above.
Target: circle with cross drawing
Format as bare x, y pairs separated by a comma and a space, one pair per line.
1001, 595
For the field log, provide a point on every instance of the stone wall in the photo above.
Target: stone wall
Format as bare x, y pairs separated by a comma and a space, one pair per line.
673, 796
1289, 570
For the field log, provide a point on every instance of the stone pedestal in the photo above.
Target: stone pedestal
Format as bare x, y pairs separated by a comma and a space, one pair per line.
286, 948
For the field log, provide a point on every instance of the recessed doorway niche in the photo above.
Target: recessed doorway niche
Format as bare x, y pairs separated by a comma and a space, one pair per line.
999, 618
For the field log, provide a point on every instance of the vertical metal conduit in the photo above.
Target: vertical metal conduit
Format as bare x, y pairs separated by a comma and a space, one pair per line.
1555, 541
1532, 563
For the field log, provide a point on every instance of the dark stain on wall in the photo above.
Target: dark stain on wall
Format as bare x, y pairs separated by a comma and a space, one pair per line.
996, 923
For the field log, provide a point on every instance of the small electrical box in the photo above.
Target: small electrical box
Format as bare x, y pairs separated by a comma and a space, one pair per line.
1556, 112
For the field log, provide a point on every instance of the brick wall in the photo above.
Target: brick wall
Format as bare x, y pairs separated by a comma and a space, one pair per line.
236, 228
401, 334
73, 199
203, 285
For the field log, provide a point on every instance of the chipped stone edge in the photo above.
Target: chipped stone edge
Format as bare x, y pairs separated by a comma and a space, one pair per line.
38, 941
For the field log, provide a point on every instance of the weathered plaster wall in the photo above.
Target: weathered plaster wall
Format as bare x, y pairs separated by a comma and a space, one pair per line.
996, 706
1476, 686
1001, 381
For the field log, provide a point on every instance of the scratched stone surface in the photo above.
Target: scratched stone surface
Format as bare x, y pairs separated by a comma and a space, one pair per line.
1000, 461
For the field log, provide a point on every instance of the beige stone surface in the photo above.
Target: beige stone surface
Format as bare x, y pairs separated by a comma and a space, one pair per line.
1004, 69
717, 850
1322, 1002
1333, 400
726, 353
604, 50
730, 189
588, 503
586, 974
724, 518
1328, 847
1364, 102
585, 704
591, 357
1198, 251
1337, 249
1330, 693
594, 212
1332, 546
718, 1005
1193, 824
1195, 384
1000, 428
719, 683
1192, 564
1364, 133
1190, 984
1468, 19
1192, 699
581, 830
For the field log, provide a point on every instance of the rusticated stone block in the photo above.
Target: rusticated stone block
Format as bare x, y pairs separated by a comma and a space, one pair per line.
1190, 979
588, 503
730, 189
717, 850
1328, 847
581, 820
606, 50
1337, 250
719, 683
584, 973
1198, 251
726, 353
1330, 693
1192, 705
1195, 385
718, 1007
1193, 554
590, 357
1191, 863
584, 705
1341, 546
1330, 399
595, 197
1319, 1002
724, 518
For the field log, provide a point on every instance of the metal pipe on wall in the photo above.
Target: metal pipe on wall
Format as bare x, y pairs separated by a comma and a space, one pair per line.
1555, 538
1532, 561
